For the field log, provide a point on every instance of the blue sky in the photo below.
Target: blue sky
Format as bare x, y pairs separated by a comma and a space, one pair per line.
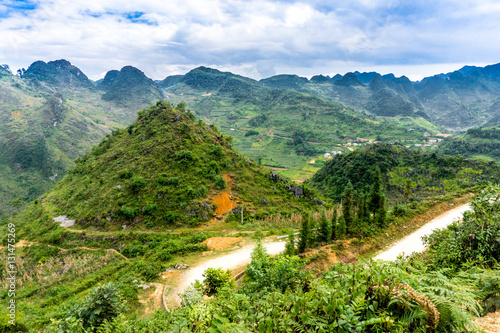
256, 38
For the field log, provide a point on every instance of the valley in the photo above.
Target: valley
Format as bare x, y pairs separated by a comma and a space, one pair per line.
154, 173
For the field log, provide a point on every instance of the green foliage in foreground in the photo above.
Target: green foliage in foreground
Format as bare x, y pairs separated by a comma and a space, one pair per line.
361, 297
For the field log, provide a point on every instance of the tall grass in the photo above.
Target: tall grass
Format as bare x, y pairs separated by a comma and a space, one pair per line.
55, 268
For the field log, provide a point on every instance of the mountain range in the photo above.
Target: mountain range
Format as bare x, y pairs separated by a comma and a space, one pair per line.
52, 113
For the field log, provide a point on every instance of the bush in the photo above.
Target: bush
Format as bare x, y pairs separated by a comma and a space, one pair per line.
399, 210
170, 217
126, 212
215, 279
126, 174
191, 296
220, 183
102, 304
251, 132
475, 239
149, 209
217, 151
185, 157
138, 184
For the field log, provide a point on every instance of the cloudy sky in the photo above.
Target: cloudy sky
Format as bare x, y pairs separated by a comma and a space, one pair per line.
256, 38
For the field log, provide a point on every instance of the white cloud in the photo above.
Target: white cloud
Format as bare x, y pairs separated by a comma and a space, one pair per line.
256, 38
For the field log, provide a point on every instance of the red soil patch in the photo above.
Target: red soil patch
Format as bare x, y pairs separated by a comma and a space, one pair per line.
221, 243
223, 200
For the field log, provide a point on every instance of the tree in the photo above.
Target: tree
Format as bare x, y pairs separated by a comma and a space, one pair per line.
325, 232
342, 228
375, 197
347, 208
290, 245
380, 214
363, 215
305, 234
334, 227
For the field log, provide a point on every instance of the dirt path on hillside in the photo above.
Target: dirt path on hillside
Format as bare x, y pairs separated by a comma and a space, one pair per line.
413, 242
230, 261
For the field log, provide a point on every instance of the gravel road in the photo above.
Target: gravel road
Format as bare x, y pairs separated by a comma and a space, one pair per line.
413, 242
229, 261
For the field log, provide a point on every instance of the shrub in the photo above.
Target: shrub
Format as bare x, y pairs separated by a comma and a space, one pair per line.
251, 132
102, 304
191, 296
185, 157
220, 183
217, 151
170, 217
149, 209
126, 212
138, 184
475, 239
215, 279
399, 210
126, 174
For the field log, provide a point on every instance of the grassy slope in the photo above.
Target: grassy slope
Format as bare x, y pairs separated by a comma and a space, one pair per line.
163, 170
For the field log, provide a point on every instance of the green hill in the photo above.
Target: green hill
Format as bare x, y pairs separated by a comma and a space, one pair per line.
407, 174
130, 196
163, 170
482, 143
129, 87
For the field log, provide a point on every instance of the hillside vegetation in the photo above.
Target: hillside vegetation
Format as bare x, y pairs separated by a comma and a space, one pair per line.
407, 174
482, 143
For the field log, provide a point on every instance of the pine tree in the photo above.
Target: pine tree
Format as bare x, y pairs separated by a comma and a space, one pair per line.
341, 230
325, 231
376, 193
381, 213
347, 208
334, 226
305, 234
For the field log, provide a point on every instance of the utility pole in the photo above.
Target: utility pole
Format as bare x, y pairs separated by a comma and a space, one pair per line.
241, 214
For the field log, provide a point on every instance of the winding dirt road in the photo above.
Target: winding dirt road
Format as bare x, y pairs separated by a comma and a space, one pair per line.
413, 242
238, 258
231, 261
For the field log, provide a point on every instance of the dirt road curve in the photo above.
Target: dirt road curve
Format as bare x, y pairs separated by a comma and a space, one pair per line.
413, 242
229, 261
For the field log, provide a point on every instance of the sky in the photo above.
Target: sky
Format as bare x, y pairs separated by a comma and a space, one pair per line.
254, 38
